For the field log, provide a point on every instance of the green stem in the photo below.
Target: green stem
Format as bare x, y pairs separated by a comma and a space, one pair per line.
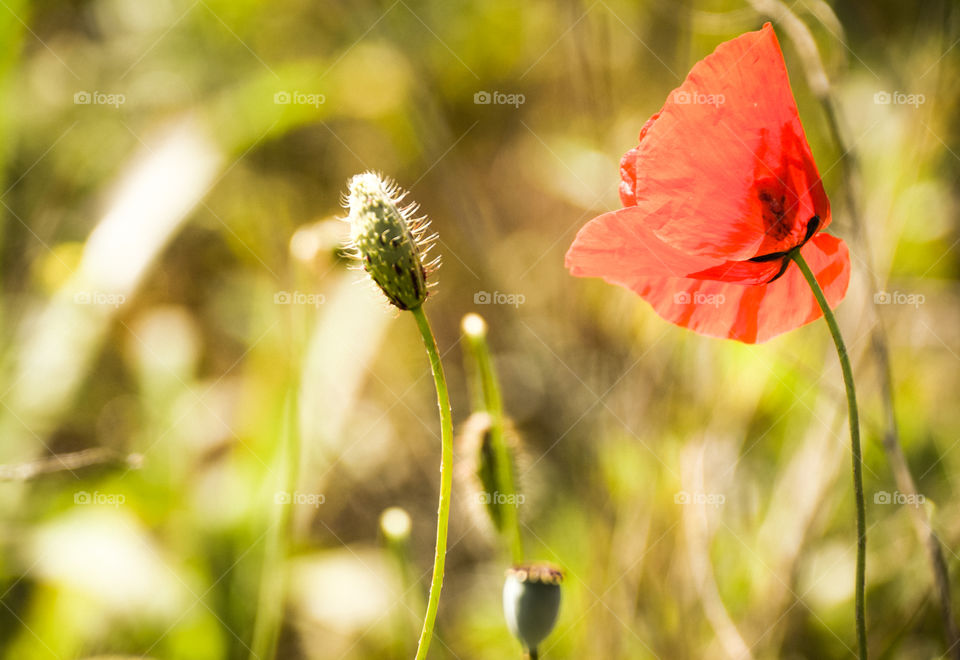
854, 443
491, 401
446, 480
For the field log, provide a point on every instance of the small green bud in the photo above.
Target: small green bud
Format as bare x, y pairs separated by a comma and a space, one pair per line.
474, 326
389, 242
395, 525
531, 602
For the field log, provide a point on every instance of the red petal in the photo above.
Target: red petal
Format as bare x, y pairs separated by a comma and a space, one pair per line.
618, 247
725, 170
628, 168
628, 179
752, 313
741, 272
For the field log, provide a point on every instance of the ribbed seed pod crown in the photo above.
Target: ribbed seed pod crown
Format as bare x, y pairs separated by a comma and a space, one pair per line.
388, 240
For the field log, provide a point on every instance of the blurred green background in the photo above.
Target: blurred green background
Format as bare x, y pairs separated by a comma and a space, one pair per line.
175, 309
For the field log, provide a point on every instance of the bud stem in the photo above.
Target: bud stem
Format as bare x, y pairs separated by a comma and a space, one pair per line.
854, 443
446, 479
489, 398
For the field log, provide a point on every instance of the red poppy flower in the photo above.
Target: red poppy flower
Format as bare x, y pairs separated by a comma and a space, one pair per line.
720, 189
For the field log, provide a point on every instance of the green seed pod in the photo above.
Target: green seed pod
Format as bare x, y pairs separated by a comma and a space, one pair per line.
389, 242
531, 602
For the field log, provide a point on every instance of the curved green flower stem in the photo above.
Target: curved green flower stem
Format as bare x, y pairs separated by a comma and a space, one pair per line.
446, 480
490, 400
854, 443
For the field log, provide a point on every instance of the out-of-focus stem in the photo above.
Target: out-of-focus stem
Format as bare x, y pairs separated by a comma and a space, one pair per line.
266, 628
492, 403
68, 463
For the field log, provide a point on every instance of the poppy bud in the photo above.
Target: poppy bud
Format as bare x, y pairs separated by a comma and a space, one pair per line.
531, 602
486, 489
389, 242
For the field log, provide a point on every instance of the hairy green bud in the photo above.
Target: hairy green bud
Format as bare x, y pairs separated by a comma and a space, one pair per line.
388, 240
479, 472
